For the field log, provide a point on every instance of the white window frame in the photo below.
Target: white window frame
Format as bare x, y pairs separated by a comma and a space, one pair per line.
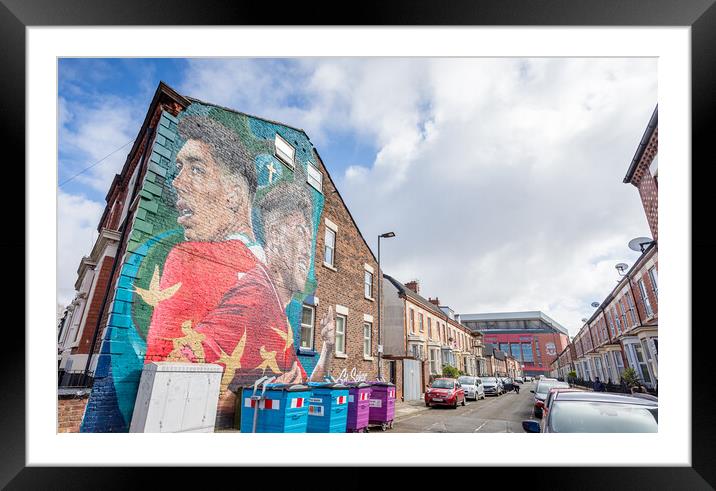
342, 334
281, 153
653, 277
310, 327
314, 177
367, 340
632, 307
332, 263
368, 285
645, 298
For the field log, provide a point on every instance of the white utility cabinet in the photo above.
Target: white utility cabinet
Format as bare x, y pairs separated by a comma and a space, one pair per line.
177, 397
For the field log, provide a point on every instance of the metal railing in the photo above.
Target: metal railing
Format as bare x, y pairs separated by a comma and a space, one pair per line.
609, 386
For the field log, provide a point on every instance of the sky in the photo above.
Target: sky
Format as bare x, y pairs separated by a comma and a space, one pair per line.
501, 178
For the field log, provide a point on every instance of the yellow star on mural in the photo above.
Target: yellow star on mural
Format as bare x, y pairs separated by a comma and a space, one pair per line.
192, 339
154, 294
269, 358
232, 362
286, 336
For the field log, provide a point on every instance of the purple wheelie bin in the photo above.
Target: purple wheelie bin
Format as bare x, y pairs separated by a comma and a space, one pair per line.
358, 407
382, 404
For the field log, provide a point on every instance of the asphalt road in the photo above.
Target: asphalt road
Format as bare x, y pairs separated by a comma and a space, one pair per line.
503, 414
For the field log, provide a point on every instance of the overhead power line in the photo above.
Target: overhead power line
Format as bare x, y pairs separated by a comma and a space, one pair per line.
96, 163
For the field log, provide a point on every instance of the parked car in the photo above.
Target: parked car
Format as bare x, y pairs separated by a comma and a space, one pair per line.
550, 398
507, 383
472, 386
597, 412
492, 386
541, 391
519, 380
528, 379
445, 392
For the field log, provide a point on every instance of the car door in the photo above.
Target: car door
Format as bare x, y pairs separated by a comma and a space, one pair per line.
480, 389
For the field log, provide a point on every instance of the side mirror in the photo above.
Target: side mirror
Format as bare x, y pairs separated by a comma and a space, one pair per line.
530, 426
532, 390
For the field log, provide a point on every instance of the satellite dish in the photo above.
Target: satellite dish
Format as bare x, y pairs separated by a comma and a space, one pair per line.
639, 244
585, 320
622, 267
595, 304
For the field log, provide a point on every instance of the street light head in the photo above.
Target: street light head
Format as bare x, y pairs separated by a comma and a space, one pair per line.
387, 235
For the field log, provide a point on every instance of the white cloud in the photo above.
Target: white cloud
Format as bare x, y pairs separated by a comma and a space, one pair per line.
501, 177
77, 219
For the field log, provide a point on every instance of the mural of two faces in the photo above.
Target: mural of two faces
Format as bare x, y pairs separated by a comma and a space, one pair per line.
230, 261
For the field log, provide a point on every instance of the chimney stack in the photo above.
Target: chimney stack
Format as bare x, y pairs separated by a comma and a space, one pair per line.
413, 285
435, 301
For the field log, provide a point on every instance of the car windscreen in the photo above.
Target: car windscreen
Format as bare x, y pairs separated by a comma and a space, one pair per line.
489, 380
602, 417
442, 384
543, 387
466, 380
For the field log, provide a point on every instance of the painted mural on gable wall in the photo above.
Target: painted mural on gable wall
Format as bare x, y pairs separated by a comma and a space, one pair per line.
230, 261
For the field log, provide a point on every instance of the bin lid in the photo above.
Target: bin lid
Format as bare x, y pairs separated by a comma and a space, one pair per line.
283, 387
328, 385
357, 385
381, 384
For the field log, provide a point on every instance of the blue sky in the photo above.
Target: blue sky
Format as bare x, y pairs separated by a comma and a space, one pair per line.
502, 178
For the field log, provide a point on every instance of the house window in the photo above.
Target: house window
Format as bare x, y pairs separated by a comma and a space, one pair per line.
645, 298
622, 310
631, 309
420, 321
340, 334
308, 316
368, 284
652, 276
618, 319
314, 177
435, 361
367, 335
284, 151
412, 320
330, 247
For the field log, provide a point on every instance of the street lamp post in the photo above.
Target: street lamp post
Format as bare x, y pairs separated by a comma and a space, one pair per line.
386, 235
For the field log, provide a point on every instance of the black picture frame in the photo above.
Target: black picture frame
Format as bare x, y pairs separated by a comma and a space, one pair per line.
700, 15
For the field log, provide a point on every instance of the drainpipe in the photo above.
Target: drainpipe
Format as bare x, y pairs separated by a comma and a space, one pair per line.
149, 135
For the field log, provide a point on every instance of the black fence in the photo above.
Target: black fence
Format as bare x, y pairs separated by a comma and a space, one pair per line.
74, 379
609, 386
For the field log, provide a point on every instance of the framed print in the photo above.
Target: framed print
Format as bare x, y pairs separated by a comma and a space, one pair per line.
227, 211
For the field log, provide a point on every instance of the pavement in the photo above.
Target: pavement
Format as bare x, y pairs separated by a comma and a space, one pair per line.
404, 409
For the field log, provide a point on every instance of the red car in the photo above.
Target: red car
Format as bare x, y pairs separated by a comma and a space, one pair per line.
445, 392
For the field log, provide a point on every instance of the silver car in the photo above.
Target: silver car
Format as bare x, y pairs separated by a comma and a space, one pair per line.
473, 387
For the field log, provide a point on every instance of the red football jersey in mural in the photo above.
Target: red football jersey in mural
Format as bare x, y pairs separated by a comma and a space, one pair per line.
199, 274
224, 310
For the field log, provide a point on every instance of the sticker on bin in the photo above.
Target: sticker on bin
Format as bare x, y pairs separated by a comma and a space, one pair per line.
315, 399
264, 403
296, 402
391, 393
376, 403
315, 410
363, 397
341, 400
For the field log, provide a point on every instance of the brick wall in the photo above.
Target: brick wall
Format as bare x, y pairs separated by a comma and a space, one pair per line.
176, 298
103, 272
344, 286
70, 410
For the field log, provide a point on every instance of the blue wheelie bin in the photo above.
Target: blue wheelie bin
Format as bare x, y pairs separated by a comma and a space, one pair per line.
327, 407
283, 408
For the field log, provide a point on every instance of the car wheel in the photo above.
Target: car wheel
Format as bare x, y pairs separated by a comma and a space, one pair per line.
427, 404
